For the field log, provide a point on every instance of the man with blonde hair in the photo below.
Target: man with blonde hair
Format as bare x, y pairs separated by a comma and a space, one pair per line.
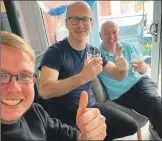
21, 119
65, 71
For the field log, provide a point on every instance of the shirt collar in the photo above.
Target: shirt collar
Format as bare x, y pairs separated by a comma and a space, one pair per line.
105, 51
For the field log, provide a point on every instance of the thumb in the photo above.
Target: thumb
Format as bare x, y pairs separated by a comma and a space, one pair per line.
120, 51
82, 104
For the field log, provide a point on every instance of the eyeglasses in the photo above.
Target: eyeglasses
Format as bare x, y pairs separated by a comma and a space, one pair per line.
75, 20
22, 78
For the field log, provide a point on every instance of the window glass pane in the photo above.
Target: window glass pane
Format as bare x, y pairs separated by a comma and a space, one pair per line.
159, 82
54, 25
134, 19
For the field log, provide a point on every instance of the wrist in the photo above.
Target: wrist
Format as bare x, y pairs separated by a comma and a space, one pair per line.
80, 137
82, 78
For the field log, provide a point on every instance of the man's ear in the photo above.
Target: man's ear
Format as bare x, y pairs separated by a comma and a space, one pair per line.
66, 23
100, 35
92, 24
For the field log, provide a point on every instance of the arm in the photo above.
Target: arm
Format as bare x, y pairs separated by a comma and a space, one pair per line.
119, 70
50, 86
112, 70
140, 67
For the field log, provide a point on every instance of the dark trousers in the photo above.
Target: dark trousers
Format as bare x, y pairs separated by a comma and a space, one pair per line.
118, 123
143, 97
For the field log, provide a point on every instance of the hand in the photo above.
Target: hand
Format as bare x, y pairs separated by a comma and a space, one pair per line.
139, 66
91, 68
120, 61
89, 120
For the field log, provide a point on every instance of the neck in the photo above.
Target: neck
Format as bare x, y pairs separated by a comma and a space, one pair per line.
111, 49
77, 45
7, 122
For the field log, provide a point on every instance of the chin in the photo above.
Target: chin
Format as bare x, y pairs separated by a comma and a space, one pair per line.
112, 43
10, 117
9, 120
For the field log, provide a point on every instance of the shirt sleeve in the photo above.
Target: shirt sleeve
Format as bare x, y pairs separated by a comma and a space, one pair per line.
60, 131
104, 58
56, 130
51, 59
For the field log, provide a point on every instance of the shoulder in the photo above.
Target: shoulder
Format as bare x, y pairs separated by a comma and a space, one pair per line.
58, 45
37, 109
127, 45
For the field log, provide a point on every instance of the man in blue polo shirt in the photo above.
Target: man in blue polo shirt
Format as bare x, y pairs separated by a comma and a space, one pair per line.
136, 91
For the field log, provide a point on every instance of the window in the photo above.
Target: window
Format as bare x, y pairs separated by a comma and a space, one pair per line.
136, 16
54, 25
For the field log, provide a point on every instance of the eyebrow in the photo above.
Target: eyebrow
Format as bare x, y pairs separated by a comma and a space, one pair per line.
22, 71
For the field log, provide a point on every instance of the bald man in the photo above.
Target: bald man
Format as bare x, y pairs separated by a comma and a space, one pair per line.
66, 71
136, 91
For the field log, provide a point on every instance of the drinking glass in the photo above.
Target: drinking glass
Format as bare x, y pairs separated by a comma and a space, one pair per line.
135, 58
93, 53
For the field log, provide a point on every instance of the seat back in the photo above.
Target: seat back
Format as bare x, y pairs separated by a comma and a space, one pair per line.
99, 91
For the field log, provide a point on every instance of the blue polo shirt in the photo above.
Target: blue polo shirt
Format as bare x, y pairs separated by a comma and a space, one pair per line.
115, 88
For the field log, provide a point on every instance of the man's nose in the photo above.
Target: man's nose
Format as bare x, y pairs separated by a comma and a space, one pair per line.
111, 36
14, 85
80, 23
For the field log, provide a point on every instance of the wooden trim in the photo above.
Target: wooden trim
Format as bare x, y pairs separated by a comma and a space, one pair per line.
139, 134
3, 9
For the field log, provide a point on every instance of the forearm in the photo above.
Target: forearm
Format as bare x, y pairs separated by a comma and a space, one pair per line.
61, 87
120, 74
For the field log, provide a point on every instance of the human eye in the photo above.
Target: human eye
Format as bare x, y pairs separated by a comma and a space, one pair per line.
106, 33
74, 18
85, 19
4, 76
114, 32
24, 76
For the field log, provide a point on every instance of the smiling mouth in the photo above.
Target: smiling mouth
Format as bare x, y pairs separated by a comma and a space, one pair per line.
11, 102
111, 41
79, 31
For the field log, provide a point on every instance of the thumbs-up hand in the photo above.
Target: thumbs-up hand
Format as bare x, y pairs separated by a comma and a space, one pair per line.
120, 61
89, 120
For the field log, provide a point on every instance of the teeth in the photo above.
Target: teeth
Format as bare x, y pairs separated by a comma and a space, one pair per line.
11, 102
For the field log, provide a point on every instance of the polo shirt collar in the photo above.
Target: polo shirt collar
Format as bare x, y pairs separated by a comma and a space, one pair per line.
105, 51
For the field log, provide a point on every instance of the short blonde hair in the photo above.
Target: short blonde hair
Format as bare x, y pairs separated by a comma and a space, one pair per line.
15, 41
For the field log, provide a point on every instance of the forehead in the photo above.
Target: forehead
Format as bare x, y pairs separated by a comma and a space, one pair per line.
110, 27
80, 10
14, 60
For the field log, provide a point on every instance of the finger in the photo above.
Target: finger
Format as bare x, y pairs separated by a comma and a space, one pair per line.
137, 69
86, 61
90, 115
82, 104
100, 137
120, 51
101, 129
99, 63
98, 58
94, 123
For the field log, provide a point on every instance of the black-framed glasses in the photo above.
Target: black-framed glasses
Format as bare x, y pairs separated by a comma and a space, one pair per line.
74, 20
22, 78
